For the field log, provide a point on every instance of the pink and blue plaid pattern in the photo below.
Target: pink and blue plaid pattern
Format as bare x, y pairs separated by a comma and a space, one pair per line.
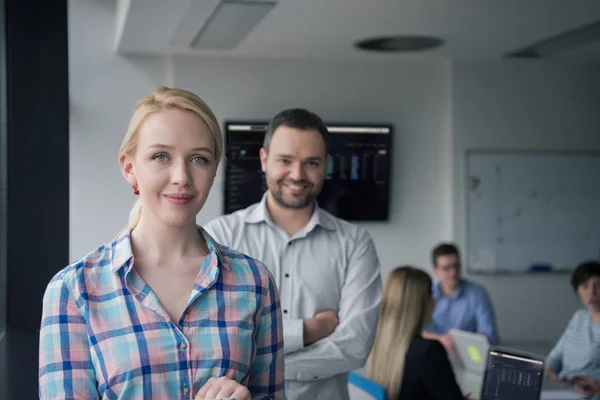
104, 334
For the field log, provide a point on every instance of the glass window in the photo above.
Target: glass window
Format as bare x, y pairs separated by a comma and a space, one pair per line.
3, 183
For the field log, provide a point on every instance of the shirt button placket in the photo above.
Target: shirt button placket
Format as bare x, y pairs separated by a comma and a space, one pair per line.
285, 268
185, 386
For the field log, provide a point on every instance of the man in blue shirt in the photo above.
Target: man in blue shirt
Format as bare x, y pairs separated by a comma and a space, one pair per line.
460, 304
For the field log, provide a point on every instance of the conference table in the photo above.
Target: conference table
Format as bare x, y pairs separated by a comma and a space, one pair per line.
557, 391
551, 390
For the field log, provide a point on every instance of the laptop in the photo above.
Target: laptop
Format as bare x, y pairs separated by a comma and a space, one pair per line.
469, 360
511, 375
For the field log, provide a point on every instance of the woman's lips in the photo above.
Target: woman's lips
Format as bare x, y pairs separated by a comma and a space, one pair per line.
179, 198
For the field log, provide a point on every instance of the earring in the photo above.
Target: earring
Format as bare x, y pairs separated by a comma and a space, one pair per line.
135, 190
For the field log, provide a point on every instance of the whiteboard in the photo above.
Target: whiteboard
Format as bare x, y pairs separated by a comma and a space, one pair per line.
532, 208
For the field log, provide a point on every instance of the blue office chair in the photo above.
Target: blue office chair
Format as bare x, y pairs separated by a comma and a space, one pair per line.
361, 388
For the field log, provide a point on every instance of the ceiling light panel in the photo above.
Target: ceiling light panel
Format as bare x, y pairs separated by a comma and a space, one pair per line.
230, 23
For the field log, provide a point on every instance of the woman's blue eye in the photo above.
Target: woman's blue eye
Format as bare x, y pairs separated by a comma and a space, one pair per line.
160, 157
200, 160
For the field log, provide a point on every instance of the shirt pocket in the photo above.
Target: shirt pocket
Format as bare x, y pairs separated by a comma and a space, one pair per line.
117, 355
468, 319
237, 344
320, 278
239, 349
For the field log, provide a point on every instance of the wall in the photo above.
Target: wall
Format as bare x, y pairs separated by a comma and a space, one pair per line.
103, 89
523, 105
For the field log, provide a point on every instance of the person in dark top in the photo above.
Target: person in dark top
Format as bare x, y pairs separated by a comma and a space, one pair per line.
407, 365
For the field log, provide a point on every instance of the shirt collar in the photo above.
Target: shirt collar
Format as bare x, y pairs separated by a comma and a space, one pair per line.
437, 291
121, 252
260, 214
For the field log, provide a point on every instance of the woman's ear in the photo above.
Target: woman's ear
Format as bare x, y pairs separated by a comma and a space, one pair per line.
128, 169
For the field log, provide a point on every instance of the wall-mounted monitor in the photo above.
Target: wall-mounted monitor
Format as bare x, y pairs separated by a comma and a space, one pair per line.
357, 181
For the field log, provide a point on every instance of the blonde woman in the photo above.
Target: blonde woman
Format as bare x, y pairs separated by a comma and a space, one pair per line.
164, 311
406, 364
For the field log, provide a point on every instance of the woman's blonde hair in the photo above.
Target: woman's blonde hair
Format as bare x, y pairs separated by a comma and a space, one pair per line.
403, 314
165, 98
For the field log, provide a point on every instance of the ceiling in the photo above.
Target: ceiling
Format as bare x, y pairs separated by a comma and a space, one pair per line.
327, 29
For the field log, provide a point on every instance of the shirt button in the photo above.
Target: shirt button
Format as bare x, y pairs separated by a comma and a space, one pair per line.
289, 243
185, 389
285, 311
287, 275
182, 346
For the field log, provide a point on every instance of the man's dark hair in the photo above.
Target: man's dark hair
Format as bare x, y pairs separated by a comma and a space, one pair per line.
584, 272
444, 249
298, 118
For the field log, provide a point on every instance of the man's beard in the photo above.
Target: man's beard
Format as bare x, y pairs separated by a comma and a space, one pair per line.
298, 202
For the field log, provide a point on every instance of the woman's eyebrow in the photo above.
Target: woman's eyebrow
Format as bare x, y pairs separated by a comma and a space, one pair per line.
164, 146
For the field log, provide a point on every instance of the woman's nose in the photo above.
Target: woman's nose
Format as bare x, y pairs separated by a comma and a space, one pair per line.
180, 174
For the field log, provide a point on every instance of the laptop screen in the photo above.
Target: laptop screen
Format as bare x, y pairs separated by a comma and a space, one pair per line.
510, 376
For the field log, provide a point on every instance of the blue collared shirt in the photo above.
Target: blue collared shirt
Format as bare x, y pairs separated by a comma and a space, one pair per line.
470, 309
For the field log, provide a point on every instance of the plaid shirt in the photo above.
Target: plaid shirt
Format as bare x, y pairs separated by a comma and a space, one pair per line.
105, 335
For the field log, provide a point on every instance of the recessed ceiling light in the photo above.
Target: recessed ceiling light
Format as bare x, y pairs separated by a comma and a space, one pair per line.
402, 43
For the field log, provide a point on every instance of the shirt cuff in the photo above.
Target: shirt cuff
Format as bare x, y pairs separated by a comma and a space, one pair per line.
293, 335
554, 364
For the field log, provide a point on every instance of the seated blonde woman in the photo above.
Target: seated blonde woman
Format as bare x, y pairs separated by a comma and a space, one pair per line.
406, 364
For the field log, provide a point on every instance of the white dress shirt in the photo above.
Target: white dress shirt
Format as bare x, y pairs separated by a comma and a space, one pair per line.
330, 264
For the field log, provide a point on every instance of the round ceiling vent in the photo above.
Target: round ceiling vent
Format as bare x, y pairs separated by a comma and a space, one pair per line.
399, 43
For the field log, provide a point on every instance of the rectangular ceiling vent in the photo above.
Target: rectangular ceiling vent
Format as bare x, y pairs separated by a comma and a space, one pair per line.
231, 21
561, 43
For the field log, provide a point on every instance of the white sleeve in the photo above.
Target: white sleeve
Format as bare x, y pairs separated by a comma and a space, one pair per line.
293, 335
348, 347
